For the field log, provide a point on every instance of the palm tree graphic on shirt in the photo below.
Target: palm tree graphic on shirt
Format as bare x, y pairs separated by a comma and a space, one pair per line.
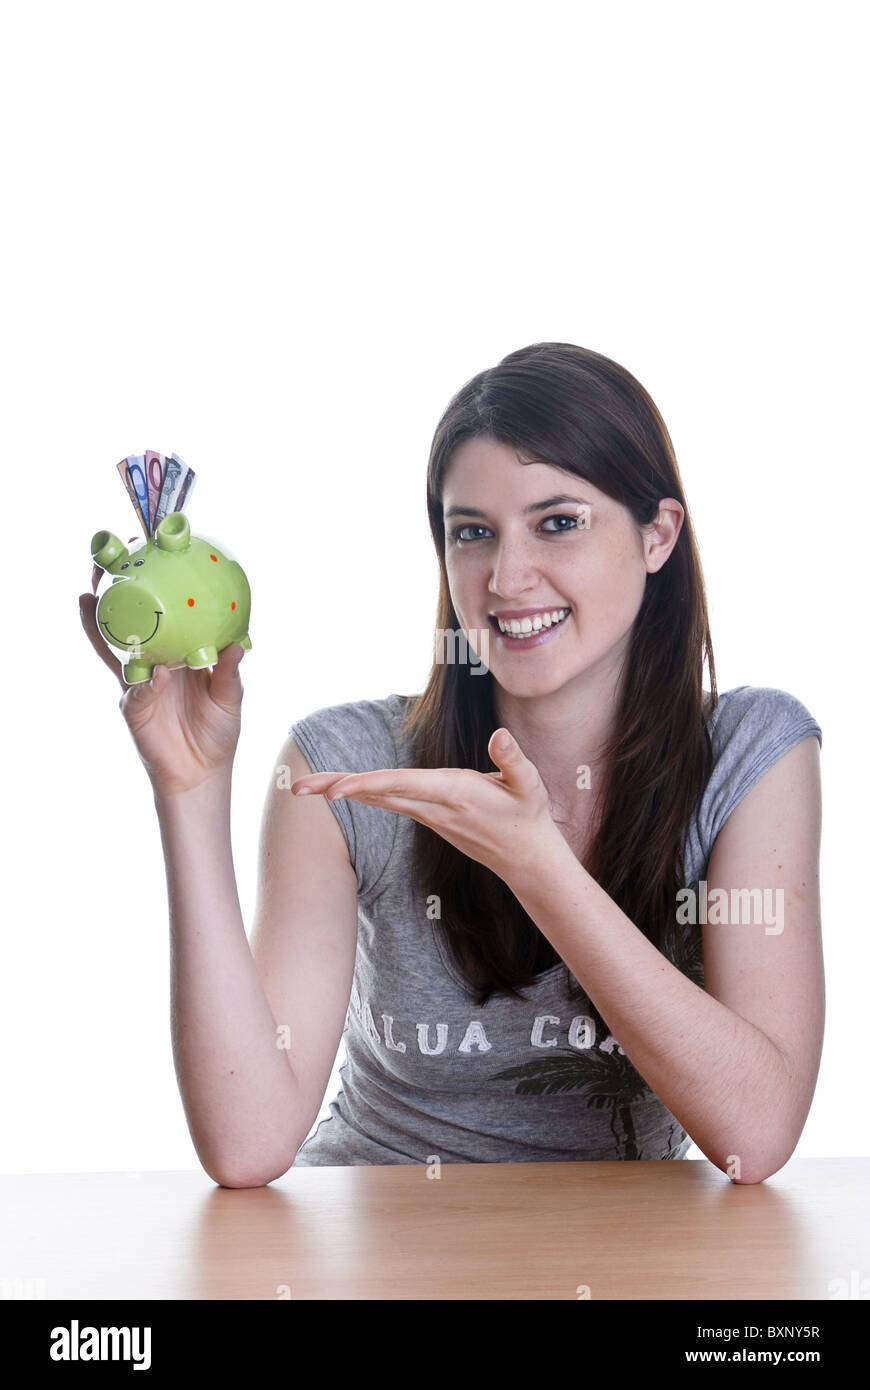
608, 1081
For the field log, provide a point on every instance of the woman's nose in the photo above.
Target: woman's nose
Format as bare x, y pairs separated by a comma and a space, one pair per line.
512, 570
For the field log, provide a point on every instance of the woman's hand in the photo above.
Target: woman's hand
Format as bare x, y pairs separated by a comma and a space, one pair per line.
502, 819
185, 723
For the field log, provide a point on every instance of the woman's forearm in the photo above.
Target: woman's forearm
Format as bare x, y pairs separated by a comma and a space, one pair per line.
236, 1084
724, 1080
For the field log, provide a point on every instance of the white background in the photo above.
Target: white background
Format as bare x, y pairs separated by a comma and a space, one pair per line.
276, 238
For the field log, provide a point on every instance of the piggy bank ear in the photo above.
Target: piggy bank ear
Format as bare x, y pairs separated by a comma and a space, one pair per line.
107, 551
173, 533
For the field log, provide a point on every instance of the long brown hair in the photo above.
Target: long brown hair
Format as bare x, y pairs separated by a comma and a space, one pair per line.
579, 411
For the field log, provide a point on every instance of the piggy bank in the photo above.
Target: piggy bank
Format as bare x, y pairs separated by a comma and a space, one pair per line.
177, 600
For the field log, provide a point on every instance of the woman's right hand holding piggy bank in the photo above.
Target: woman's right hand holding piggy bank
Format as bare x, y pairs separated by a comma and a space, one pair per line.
185, 722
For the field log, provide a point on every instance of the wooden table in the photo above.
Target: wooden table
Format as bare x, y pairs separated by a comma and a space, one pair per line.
630, 1230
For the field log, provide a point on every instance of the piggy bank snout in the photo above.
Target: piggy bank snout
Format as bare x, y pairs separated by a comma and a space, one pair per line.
129, 612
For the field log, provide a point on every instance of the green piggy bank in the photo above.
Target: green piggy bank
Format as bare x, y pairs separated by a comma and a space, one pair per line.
176, 600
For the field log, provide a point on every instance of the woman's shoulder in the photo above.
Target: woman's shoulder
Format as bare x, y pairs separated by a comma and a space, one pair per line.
750, 727
358, 736
367, 733
757, 714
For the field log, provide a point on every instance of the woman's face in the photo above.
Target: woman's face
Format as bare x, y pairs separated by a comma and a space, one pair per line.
506, 554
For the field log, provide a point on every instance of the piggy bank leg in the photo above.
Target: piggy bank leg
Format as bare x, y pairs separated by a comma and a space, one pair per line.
137, 670
245, 642
203, 656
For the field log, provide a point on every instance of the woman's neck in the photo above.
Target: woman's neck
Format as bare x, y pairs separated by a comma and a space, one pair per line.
564, 735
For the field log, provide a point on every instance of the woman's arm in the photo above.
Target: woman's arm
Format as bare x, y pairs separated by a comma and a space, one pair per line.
256, 1028
239, 1093
736, 1063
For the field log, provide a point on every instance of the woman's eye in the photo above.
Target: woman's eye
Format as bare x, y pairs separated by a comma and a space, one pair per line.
457, 532
458, 537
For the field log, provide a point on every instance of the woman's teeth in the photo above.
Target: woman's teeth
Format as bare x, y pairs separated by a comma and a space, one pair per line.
527, 627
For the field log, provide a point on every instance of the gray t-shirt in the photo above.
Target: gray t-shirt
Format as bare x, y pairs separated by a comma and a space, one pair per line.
429, 1072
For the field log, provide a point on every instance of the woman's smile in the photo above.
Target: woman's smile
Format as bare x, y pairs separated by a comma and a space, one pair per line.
521, 634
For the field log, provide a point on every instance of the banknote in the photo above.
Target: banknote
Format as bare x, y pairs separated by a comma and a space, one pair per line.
178, 481
136, 468
154, 478
187, 486
124, 471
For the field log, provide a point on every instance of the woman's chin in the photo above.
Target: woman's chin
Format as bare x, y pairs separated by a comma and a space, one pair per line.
530, 683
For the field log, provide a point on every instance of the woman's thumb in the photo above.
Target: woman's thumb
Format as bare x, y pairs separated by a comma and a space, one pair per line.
225, 679
503, 748
511, 761
141, 693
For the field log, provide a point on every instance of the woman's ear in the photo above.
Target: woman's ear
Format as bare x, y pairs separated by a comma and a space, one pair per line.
660, 536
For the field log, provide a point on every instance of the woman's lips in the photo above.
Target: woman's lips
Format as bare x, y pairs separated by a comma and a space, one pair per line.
537, 639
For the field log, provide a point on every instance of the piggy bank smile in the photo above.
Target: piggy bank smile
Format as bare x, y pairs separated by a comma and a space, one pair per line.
132, 640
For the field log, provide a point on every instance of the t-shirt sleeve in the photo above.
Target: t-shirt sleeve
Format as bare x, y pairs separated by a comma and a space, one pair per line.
753, 726
354, 737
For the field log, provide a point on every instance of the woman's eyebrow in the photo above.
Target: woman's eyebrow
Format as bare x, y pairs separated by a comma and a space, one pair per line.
533, 507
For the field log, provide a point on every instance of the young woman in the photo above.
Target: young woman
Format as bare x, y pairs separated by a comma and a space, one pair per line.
598, 939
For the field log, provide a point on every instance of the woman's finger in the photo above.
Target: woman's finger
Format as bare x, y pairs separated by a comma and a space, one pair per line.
440, 786
316, 782
88, 612
225, 686
427, 812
